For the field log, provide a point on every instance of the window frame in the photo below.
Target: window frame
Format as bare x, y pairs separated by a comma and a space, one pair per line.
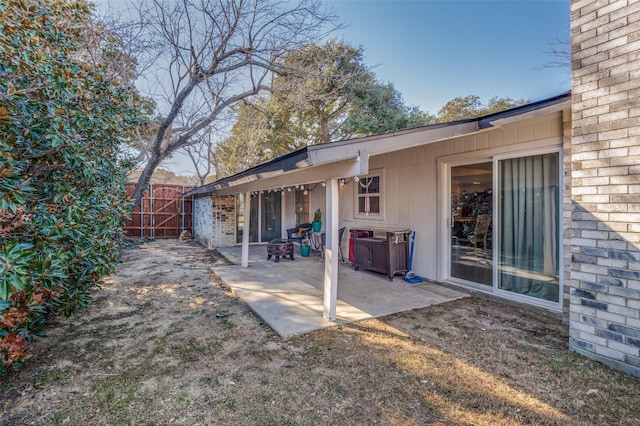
494, 155
379, 173
301, 217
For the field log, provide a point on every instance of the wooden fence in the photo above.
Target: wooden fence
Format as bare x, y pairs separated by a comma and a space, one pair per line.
163, 213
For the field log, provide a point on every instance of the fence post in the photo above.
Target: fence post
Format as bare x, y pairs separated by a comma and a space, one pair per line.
142, 217
182, 209
151, 210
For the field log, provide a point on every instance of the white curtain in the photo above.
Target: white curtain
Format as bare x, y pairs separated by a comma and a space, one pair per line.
528, 206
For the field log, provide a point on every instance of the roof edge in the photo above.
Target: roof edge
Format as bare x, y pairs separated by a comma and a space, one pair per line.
488, 121
285, 162
301, 158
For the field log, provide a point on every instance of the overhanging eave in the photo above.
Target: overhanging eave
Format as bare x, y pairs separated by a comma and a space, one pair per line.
388, 142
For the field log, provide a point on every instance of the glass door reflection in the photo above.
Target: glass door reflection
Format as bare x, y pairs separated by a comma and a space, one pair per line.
471, 223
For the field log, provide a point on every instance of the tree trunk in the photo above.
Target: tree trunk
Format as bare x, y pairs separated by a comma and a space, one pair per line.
324, 128
145, 178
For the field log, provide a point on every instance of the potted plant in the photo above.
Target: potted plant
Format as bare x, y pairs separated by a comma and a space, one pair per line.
317, 221
305, 248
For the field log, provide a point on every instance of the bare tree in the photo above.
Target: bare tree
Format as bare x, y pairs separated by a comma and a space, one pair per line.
213, 54
201, 155
560, 51
120, 45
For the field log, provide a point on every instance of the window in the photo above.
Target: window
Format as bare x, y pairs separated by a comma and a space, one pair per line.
369, 196
302, 206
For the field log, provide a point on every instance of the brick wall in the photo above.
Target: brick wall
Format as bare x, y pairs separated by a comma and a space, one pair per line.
605, 182
203, 221
567, 207
214, 221
224, 227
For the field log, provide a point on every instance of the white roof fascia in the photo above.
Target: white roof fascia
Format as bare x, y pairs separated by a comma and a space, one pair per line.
252, 178
351, 157
380, 144
267, 175
343, 158
532, 114
336, 170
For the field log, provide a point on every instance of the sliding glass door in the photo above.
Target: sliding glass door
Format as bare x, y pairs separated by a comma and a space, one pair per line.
528, 230
270, 222
505, 227
240, 219
265, 215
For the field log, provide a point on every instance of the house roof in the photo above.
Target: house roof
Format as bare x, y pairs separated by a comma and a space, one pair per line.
350, 157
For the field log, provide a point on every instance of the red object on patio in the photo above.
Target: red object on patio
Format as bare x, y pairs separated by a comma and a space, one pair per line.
361, 234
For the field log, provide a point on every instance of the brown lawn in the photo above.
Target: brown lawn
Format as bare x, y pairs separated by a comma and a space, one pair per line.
166, 343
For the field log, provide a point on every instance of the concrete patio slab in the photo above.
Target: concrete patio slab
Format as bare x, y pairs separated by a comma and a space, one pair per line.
288, 295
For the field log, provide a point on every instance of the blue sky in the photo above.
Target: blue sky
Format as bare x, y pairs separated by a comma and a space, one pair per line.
434, 51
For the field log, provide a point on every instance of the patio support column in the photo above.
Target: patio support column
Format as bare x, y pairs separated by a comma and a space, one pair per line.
331, 251
245, 229
283, 214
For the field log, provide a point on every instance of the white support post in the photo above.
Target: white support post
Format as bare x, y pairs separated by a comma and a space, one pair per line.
331, 252
245, 229
283, 216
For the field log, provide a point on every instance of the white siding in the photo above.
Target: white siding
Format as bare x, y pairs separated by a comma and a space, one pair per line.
411, 181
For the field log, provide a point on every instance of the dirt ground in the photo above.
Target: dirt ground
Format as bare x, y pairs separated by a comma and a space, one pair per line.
166, 343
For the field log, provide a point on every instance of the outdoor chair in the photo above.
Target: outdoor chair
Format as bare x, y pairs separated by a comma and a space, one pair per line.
299, 233
481, 231
324, 242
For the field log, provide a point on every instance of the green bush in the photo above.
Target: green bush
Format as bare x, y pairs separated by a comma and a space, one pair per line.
62, 176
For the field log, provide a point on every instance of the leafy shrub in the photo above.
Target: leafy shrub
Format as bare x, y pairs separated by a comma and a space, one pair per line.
61, 174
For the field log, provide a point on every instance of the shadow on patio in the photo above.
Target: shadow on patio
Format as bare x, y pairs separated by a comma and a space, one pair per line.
288, 295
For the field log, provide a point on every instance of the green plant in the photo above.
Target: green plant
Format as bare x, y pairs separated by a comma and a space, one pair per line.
62, 175
317, 216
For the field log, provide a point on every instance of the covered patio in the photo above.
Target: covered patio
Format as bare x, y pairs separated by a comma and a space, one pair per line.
329, 166
288, 295
384, 185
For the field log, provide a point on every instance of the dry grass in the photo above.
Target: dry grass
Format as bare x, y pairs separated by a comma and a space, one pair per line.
151, 350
